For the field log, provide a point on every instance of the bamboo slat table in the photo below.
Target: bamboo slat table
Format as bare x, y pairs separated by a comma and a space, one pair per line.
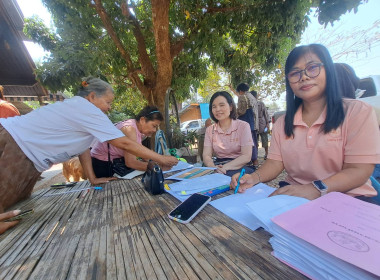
122, 232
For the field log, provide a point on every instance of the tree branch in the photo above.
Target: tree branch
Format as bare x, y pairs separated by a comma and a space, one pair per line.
108, 26
145, 62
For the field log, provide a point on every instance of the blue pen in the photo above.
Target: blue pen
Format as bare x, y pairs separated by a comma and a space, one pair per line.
238, 182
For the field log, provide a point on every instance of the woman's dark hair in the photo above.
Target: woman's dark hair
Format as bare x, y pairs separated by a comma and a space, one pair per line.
347, 80
150, 113
230, 101
91, 84
335, 111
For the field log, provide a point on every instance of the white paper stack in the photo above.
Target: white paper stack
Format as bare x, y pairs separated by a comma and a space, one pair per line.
263, 210
235, 207
333, 237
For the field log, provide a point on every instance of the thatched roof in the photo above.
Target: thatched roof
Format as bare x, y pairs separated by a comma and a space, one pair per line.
17, 67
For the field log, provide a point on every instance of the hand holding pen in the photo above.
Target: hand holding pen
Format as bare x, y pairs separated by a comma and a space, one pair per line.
244, 182
238, 180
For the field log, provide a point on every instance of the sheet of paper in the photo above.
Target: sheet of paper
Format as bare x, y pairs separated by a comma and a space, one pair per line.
267, 208
235, 207
340, 225
180, 166
198, 184
129, 176
192, 173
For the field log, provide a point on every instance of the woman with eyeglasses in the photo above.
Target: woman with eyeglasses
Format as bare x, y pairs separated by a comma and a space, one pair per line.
325, 143
145, 124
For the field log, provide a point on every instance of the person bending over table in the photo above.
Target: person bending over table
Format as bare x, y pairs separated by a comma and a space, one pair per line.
229, 139
325, 143
54, 133
146, 123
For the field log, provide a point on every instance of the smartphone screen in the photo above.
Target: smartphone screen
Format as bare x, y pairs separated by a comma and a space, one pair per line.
187, 210
20, 216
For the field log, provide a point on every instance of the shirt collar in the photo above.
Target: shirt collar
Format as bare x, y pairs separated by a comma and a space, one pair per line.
233, 127
298, 117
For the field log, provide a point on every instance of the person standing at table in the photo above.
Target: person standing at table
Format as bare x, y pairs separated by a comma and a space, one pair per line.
263, 123
247, 102
7, 109
324, 142
32, 143
229, 139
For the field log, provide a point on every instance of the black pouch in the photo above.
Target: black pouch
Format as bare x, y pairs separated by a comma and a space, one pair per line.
153, 179
119, 167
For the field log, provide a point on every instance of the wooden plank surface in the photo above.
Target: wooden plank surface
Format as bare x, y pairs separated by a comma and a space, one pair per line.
122, 232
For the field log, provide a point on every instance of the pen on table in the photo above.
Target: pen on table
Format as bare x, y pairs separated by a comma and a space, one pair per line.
238, 181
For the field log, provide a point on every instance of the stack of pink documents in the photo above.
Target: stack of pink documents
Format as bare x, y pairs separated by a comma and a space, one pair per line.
333, 237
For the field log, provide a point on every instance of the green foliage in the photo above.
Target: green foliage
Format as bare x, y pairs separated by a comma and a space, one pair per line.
217, 80
178, 138
238, 35
116, 117
331, 10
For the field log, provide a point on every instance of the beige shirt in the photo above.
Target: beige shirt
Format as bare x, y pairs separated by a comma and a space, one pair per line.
242, 106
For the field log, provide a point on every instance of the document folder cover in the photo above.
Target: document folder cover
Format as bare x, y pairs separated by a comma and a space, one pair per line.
340, 225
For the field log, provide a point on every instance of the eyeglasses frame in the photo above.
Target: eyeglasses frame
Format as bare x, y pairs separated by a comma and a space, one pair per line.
304, 71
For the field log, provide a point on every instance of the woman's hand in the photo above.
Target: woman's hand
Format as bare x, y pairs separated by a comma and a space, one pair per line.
307, 191
246, 182
220, 169
7, 225
168, 161
96, 181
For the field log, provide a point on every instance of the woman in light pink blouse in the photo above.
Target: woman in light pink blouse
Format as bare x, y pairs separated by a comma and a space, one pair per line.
229, 139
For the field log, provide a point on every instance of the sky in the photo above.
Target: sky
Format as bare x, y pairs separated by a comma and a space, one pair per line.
365, 64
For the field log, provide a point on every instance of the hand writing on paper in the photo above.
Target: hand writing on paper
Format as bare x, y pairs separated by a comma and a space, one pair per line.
246, 182
306, 191
7, 225
168, 161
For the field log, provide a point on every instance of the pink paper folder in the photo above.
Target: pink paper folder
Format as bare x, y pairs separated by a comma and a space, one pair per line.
340, 225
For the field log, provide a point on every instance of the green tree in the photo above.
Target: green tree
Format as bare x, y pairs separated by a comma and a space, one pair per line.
149, 46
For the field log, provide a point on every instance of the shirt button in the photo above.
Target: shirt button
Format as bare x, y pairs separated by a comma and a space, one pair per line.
310, 137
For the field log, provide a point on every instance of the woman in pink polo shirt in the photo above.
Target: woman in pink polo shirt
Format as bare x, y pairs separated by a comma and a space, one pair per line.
145, 124
325, 143
229, 139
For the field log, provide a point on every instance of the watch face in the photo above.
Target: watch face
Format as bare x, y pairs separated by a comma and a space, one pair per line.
320, 185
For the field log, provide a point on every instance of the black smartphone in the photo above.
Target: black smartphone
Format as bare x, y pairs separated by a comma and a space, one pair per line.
63, 185
188, 209
20, 216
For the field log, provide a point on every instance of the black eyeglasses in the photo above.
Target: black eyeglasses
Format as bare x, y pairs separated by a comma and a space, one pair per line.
312, 71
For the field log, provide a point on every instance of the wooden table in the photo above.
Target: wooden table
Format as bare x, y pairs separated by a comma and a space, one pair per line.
122, 232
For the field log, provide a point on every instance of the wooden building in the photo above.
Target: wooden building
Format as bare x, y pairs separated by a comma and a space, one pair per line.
17, 67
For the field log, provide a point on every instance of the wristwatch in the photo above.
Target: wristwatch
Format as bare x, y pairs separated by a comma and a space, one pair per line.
319, 185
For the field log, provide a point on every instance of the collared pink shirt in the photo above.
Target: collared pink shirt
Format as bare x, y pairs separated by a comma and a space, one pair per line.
228, 144
312, 155
100, 150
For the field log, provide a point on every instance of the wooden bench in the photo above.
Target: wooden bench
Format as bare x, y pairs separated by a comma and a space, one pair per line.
122, 232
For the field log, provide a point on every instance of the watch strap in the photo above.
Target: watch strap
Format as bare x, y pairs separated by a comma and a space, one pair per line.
319, 185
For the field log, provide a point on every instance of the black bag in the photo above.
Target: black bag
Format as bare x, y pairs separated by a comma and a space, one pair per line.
119, 167
153, 178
